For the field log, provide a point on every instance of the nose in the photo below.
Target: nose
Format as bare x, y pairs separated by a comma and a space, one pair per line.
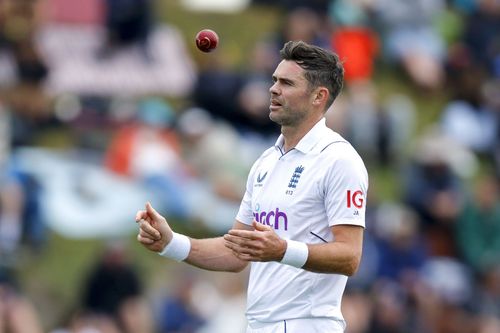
273, 89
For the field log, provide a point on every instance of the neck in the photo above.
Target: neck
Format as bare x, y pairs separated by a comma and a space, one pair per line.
293, 134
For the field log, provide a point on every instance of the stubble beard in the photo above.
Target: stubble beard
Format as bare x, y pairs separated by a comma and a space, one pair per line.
288, 118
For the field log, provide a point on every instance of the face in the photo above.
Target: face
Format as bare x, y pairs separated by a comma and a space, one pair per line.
290, 95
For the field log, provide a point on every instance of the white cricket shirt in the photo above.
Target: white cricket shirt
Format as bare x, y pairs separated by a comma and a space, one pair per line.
320, 183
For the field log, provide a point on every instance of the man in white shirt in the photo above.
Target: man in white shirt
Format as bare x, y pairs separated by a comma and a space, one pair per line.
302, 217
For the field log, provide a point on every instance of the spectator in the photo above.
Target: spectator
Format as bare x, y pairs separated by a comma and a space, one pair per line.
434, 190
128, 22
390, 312
486, 304
177, 313
253, 95
402, 251
11, 218
20, 217
214, 84
219, 160
17, 35
303, 23
478, 226
442, 295
353, 38
468, 118
209, 148
380, 129
411, 40
149, 151
357, 308
113, 290
481, 36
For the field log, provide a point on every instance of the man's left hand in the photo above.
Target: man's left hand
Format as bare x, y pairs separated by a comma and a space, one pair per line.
261, 244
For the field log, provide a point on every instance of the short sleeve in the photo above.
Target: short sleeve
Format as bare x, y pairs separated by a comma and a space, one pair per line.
345, 188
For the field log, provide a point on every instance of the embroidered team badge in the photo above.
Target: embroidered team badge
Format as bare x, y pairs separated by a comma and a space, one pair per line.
295, 177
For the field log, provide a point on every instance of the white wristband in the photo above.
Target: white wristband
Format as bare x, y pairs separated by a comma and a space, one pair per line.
296, 254
178, 248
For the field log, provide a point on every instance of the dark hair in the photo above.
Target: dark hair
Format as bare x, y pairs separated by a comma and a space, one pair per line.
322, 67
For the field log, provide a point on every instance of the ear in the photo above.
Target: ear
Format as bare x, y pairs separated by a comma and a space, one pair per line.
320, 96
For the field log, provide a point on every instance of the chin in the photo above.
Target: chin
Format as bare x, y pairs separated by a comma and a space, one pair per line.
274, 118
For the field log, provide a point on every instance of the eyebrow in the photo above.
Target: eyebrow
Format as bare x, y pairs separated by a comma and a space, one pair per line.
282, 79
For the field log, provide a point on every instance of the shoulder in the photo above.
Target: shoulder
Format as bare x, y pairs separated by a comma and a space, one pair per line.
339, 157
334, 146
267, 153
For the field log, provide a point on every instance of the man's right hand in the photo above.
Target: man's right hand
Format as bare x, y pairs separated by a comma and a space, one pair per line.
154, 231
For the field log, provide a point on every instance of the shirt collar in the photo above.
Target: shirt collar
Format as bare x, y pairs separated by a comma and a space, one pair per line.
307, 143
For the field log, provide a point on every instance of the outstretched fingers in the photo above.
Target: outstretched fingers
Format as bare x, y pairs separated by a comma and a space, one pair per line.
244, 244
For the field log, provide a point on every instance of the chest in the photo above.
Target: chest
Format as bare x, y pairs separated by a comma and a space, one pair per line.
285, 187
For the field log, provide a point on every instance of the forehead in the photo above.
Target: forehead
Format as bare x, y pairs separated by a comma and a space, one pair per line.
290, 70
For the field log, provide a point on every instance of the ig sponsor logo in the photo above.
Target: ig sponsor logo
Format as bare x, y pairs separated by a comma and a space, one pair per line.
355, 199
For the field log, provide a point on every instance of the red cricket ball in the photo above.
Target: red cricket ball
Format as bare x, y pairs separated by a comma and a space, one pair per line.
207, 40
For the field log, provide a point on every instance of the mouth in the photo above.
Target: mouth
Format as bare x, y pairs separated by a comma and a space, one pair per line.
274, 105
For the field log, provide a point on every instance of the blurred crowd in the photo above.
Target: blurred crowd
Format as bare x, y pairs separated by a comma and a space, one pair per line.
103, 107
